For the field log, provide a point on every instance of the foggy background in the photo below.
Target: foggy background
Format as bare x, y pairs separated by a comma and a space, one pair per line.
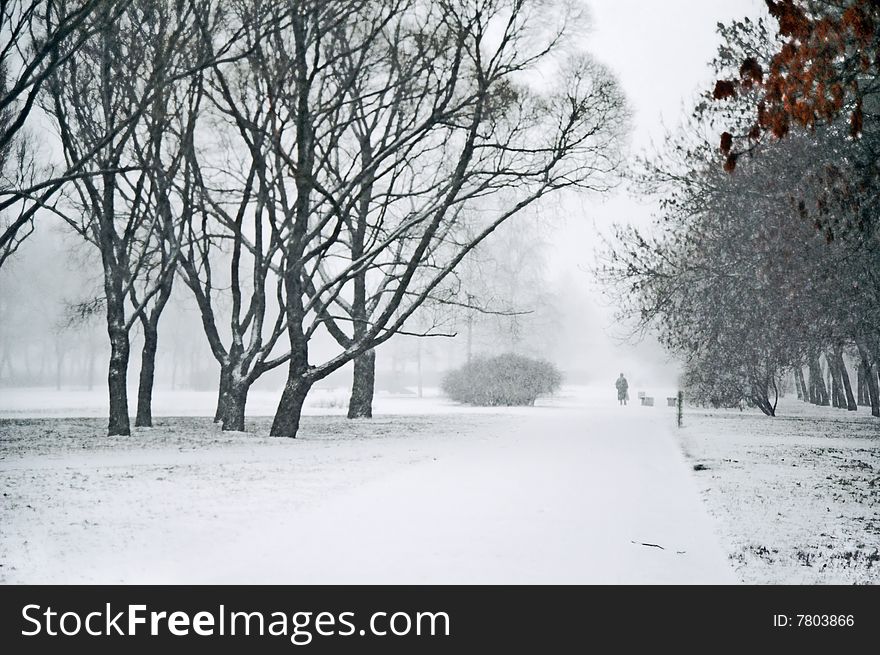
536, 268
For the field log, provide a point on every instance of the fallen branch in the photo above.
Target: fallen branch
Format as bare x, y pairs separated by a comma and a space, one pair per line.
642, 543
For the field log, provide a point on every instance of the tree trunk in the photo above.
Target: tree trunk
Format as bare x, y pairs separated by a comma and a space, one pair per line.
834, 381
870, 378
299, 380
761, 397
144, 417
360, 403
761, 400
825, 387
117, 372
840, 365
232, 398
763, 404
802, 385
286, 423
862, 393
818, 391
829, 384
363, 384
834, 385
236, 401
811, 383
222, 392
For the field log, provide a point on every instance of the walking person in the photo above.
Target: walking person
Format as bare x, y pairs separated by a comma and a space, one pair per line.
622, 389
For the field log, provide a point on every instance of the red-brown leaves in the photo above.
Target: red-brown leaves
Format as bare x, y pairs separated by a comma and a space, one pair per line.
730, 162
724, 89
855, 121
860, 23
792, 19
779, 124
772, 8
762, 115
751, 71
811, 78
825, 30
774, 90
837, 95
802, 111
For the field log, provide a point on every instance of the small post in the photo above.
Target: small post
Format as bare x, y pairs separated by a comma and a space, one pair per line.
679, 405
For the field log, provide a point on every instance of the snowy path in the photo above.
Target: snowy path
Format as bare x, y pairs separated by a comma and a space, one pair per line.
561, 498
565, 493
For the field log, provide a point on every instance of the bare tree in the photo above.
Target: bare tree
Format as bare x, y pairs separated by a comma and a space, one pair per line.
231, 257
17, 169
109, 100
344, 161
160, 146
452, 118
36, 38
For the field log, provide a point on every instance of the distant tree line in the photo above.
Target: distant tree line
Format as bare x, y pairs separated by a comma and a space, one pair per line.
764, 266
301, 167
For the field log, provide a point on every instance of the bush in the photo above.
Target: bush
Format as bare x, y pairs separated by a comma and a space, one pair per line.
721, 380
505, 380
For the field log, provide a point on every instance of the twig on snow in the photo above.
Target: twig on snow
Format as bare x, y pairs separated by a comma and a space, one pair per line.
642, 543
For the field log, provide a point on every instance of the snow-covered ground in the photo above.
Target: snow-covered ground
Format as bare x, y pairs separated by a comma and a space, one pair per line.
797, 496
577, 490
42, 402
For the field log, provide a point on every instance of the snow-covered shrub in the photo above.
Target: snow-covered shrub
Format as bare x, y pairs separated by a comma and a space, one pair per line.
727, 379
715, 390
504, 380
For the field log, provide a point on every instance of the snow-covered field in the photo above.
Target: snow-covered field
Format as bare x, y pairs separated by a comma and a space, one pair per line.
797, 496
575, 490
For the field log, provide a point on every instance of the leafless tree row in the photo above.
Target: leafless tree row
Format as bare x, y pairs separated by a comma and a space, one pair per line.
307, 167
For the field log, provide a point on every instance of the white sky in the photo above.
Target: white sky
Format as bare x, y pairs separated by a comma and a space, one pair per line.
660, 52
